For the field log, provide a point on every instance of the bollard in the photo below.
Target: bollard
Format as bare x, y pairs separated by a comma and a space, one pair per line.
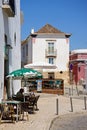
77, 90
72, 89
85, 102
69, 91
57, 103
71, 104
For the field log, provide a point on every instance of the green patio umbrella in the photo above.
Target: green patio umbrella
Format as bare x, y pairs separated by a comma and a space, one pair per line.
24, 73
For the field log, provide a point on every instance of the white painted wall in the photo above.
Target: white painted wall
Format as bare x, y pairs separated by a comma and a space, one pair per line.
10, 26
36, 50
39, 50
62, 59
1, 52
15, 53
27, 58
30, 50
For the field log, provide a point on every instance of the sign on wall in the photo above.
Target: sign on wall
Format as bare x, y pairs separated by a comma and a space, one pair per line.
39, 85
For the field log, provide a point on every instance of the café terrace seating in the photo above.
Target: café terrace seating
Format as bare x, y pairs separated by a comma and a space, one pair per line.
8, 111
32, 100
29, 106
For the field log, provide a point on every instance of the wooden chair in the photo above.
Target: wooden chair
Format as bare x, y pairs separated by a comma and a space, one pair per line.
25, 108
6, 112
31, 104
36, 99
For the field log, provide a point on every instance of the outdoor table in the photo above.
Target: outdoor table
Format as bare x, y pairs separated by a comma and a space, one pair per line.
13, 102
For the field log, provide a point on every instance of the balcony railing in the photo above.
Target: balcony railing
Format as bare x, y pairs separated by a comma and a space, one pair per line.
9, 7
52, 53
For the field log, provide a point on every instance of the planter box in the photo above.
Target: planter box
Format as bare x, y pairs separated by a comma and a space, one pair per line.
53, 91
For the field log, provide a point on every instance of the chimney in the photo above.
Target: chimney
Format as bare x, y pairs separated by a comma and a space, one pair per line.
32, 31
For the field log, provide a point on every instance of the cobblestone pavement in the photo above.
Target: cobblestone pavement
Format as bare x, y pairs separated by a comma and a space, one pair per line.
42, 119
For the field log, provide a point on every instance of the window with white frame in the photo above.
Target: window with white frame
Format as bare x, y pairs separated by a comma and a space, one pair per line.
50, 47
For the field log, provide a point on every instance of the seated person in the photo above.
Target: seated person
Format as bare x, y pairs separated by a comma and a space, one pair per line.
31, 93
19, 95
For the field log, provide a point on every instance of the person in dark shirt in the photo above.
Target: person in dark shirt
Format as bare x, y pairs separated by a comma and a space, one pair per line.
19, 95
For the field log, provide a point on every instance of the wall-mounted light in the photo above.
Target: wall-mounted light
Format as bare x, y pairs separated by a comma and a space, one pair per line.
8, 46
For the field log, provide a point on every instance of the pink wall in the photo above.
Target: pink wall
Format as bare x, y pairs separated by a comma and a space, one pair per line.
78, 66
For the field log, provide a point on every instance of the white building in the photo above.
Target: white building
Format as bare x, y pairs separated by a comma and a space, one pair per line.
48, 45
10, 45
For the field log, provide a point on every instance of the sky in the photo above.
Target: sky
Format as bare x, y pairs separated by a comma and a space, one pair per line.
69, 16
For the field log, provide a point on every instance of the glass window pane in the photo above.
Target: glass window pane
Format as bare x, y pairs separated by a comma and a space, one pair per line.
51, 60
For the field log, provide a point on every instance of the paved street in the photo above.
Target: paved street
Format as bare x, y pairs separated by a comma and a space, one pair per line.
42, 119
77, 121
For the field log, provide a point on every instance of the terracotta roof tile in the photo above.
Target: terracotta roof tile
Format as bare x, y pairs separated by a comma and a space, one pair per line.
48, 29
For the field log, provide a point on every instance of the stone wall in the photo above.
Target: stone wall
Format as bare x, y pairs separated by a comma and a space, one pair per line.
58, 75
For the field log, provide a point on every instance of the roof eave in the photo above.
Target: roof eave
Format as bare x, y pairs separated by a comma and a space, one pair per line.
67, 35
